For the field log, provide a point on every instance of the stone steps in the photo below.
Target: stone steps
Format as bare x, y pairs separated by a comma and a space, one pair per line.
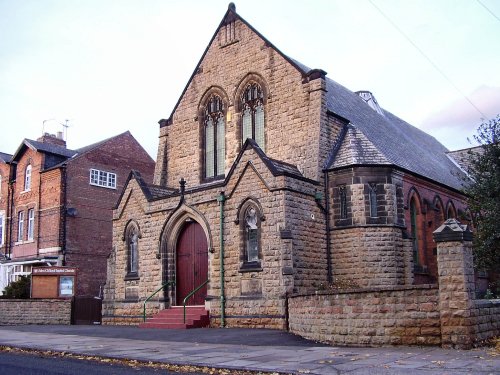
173, 318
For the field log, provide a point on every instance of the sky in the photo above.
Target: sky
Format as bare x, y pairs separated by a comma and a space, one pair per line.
108, 66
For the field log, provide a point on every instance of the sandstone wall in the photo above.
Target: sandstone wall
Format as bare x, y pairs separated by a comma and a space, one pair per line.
370, 317
31, 311
486, 315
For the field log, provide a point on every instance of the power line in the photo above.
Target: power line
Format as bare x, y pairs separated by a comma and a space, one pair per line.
427, 58
490, 11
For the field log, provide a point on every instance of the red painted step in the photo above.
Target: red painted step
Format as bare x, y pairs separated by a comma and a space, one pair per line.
173, 318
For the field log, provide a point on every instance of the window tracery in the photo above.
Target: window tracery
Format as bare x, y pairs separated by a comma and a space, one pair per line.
253, 119
215, 132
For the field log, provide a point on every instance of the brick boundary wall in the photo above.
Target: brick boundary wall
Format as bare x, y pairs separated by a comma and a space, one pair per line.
406, 315
35, 311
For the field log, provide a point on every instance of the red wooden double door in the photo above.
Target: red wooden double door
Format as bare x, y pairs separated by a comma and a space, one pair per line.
192, 263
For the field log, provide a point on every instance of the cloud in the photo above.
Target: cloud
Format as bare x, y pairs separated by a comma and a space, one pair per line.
460, 115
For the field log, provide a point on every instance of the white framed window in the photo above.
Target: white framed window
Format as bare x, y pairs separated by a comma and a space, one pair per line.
20, 225
31, 223
2, 226
27, 178
102, 178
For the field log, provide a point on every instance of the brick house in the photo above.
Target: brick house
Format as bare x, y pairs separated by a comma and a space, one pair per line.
59, 205
272, 179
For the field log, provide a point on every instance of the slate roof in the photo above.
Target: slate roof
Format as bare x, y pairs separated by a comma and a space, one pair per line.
463, 157
51, 148
5, 157
398, 142
157, 192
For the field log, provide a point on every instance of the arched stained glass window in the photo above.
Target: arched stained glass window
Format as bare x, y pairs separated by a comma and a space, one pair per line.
415, 233
132, 236
215, 133
253, 122
252, 235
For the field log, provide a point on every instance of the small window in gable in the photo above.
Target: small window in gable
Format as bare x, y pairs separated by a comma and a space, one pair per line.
103, 179
253, 121
27, 178
215, 137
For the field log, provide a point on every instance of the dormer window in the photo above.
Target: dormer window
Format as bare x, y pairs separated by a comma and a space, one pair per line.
215, 137
27, 178
253, 115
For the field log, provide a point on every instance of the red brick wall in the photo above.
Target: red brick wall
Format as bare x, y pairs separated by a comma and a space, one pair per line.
89, 232
24, 200
428, 218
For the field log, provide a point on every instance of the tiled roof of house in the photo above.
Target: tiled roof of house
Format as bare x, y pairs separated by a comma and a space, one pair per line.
51, 148
5, 157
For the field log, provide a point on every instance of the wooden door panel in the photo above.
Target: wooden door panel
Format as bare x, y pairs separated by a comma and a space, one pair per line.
192, 263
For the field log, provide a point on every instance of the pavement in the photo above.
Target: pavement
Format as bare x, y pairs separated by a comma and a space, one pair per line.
247, 349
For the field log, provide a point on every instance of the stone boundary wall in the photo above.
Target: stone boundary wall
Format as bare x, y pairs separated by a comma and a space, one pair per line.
35, 311
405, 315
487, 319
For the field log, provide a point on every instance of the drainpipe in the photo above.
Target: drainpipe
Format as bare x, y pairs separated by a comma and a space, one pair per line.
327, 224
64, 184
325, 210
10, 218
221, 199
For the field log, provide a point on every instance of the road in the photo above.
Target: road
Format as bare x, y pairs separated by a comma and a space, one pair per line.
31, 364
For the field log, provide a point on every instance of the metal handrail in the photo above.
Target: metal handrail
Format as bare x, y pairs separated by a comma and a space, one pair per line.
190, 295
152, 295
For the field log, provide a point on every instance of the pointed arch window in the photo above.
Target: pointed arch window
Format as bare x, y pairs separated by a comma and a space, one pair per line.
253, 120
215, 135
132, 236
415, 233
250, 219
27, 178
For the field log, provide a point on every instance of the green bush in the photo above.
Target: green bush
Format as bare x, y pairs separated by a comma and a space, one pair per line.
19, 289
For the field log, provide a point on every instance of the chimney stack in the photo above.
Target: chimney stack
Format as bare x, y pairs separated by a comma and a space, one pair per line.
53, 139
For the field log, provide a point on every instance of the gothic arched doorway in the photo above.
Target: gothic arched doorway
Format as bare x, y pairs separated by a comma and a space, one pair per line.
191, 263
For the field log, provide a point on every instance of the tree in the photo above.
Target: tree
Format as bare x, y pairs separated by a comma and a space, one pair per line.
484, 195
19, 289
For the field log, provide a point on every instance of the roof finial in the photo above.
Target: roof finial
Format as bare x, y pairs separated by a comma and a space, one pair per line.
232, 7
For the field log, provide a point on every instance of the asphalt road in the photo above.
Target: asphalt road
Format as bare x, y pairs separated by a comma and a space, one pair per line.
29, 364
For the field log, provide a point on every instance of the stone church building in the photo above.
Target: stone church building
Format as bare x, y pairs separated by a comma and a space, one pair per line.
274, 180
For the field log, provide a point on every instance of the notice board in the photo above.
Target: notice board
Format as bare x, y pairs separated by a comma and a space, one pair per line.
53, 282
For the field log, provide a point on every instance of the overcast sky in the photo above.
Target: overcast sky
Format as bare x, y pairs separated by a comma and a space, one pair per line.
110, 66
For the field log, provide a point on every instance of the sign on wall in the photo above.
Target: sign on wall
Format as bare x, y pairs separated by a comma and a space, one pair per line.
53, 282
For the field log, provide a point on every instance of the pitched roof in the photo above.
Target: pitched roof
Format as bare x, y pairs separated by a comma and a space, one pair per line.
5, 157
51, 148
400, 143
383, 138
390, 140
